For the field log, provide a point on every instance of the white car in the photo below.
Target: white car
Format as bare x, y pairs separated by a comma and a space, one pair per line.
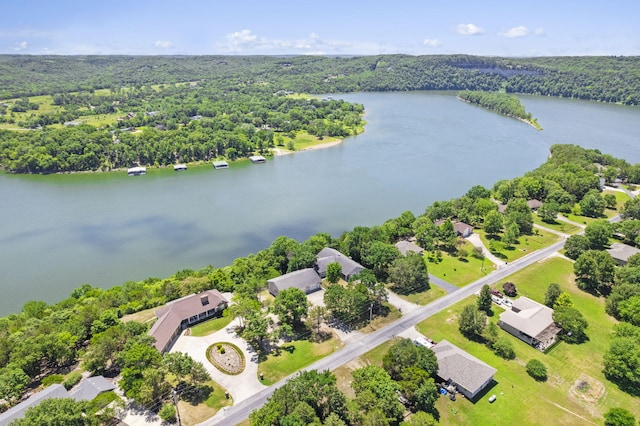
496, 300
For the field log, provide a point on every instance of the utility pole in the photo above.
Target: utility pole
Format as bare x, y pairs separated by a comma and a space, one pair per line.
175, 402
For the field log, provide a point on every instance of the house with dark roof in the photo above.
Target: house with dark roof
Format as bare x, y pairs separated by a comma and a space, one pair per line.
467, 373
622, 252
530, 322
461, 229
306, 280
18, 412
350, 267
91, 387
405, 246
179, 314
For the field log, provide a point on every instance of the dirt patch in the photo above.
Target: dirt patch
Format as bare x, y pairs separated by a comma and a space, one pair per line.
587, 391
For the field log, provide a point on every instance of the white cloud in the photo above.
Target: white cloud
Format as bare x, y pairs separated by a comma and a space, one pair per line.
163, 44
21, 46
432, 42
539, 32
469, 29
514, 32
246, 41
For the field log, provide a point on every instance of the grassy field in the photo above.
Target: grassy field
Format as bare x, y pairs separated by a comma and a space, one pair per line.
293, 357
621, 197
210, 326
458, 271
558, 225
194, 414
141, 316
525, 245
520, 398
424, 297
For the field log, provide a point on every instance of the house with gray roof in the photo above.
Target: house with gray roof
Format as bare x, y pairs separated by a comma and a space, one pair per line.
534, 204
530, 322
622, 252
405, 246
350, 267
468, 373
91, 387
18, 412
179, 314
306, 280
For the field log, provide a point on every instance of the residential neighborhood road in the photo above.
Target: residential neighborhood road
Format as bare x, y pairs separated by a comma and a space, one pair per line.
363, 343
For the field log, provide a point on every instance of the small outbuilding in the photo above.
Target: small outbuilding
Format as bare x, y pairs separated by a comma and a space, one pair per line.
257, 159
220, 165
306, 280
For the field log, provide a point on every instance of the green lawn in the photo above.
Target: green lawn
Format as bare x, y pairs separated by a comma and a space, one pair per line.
293, 357
520, 398
621, 198
558, 225
210, 326
456, 270
194, 414
424, 297
525, 245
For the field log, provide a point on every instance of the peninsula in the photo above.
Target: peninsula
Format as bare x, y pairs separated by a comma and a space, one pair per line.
503, 103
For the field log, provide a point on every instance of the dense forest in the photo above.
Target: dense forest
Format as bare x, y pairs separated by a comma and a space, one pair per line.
503, 103
87, 113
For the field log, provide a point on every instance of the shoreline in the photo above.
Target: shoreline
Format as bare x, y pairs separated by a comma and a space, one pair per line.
277, 152
533, 124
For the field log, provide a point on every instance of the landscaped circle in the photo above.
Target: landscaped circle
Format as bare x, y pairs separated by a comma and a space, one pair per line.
226, 357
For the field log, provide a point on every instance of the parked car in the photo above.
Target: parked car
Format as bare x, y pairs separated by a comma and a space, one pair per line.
497, 293
496, 300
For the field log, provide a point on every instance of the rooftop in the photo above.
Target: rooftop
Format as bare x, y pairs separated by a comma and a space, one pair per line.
299, 279
461, 367
622, 252
529, 317
328, 255
405, 246
17, 412
90, 388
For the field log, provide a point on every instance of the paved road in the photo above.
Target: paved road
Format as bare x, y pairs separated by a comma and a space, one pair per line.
356, 347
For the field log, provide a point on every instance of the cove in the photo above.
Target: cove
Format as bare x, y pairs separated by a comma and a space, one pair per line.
57, 232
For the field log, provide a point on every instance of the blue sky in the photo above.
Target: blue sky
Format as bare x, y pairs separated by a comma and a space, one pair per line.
326, 27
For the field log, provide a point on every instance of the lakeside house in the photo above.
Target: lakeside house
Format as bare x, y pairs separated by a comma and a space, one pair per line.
622, 252
405, 246
531, 322
461, 229
350, 267
179, 314
466, 373
534, 204
306, 280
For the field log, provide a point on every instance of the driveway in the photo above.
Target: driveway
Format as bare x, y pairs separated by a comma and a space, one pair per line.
449, 288
240, 386
477, 242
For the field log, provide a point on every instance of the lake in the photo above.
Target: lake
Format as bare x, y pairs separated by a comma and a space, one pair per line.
60, 231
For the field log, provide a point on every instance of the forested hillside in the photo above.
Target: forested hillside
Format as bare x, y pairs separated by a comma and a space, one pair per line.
608, 79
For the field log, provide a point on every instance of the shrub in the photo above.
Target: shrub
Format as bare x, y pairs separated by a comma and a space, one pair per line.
168, 413
509, 289
537, 370
72, 380
504, 348
54, 378
619, 417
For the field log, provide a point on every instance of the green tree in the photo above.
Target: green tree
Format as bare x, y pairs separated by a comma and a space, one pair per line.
291, 305
622, 358
493, 222
379, 383
379, 257
572, 323
618, 295
594, 270
598, 234
405, 354
551, 295
631, 209
484, 299
619, 417
610, 201
629, 310
592, 204
504, 348
563, 301
58, 412
511, 234
575, 245
334, 271
472, 322
13, 382
420, 418
409, 274
548, 211
168, 413
537, 370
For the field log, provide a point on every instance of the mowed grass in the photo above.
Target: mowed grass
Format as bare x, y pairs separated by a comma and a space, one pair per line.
558, 225
194, 414
522, 400
294, 356
424, 297
621, 198
458, 271
525, 245
210, 326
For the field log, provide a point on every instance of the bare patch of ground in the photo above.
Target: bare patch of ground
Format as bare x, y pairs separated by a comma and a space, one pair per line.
587, 391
